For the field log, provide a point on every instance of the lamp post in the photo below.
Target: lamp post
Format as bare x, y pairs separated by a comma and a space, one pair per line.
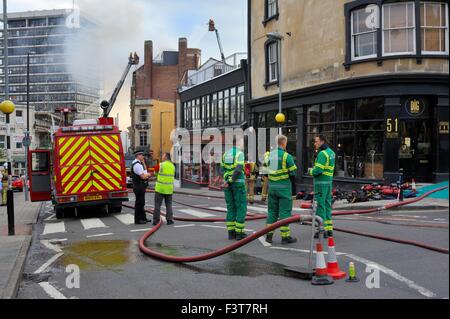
280, 116
27, 140
160, 133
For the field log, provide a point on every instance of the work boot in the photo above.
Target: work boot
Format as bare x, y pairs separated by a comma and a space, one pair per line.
170, 222
263, 199
240, 236
231, 235
288, 240
330, 233
269, 238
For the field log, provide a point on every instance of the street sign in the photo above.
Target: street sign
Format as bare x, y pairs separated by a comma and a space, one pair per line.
26, 141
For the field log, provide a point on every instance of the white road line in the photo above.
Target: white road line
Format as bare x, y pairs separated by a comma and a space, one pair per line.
304, 250
263, 242
411, 284
222, 209
211, 226
51, 246
139, 230
54, 228
100, 235
91, 223
182, 226
126, 219
52, 291
49, 218
196, 213
48, 263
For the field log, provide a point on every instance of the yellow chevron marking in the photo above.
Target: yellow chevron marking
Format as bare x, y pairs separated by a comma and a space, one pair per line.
96, 185
63, 149
108, 186
107, 148
95, 149
88, 186
76, 156
113, 171
114, 144
73, 149
82, 181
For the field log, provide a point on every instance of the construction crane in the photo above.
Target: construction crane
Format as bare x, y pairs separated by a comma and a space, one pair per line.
108, 105
212, 28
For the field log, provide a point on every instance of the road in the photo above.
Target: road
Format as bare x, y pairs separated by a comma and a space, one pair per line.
105, 249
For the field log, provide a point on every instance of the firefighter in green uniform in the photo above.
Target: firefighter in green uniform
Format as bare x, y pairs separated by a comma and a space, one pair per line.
232, 166
281, 170
323, 173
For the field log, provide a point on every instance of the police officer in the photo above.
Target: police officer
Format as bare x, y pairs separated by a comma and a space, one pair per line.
281, 170
164, 189
323, 173
232, 166
140, 183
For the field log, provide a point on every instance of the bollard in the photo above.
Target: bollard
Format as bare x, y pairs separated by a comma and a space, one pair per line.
10, 212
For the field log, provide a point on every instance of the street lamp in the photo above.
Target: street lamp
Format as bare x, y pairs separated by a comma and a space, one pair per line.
160, 133
27, 140
275, 36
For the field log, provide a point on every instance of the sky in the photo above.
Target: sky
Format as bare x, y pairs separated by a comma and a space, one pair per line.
126, 24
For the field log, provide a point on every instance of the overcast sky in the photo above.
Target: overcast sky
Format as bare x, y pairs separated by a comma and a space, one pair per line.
126, 24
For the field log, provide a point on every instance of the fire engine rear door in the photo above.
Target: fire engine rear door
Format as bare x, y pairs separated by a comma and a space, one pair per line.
106, 163
39, 169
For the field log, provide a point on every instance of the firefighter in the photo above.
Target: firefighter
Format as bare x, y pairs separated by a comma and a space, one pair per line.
234, 187
140, 183
323, 173
251, 173
164, 189
282, 170
265, 178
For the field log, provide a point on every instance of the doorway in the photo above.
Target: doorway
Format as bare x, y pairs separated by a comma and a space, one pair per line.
415, 154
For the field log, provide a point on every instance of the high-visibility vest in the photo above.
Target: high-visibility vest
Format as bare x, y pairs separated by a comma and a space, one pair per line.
166, 178
277, 173
230, 161
324, 166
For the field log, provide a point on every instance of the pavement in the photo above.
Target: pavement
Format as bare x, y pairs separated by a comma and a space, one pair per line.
13, 249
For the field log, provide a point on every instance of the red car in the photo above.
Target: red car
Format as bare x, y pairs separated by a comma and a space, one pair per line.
17, 183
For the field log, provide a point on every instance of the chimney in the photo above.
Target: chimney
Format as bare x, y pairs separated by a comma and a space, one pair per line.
148, 49
182, 57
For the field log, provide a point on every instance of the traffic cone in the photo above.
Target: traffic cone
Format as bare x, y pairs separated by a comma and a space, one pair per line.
352, 273
321, 277
333, 266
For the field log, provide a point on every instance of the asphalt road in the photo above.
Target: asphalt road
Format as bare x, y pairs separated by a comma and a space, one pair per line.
105, 250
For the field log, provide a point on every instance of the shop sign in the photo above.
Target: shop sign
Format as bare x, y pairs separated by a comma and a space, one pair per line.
415, 107
443, 127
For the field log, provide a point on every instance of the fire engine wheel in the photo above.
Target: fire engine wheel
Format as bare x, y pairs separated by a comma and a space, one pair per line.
112, 209
59, 212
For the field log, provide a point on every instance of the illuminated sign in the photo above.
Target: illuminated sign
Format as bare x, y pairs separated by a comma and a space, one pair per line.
415, 107
443, 128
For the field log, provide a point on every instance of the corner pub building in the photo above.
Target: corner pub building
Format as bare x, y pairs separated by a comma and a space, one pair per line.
371, 75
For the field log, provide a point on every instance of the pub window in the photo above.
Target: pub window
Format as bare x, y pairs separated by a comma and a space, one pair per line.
364, 25
399, 28
434, 27
272, 62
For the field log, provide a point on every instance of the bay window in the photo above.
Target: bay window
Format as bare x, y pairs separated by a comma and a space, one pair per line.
399, 28
364, 32
434, 27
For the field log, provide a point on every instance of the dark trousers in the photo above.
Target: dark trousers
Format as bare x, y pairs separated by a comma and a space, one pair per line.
139, 207
158, 202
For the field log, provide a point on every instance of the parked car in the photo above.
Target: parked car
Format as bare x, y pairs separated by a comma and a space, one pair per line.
17, 183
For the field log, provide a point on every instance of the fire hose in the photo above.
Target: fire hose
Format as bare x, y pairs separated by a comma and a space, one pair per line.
294, 219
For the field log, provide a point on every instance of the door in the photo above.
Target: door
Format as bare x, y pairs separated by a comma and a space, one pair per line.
415, 153
39, 169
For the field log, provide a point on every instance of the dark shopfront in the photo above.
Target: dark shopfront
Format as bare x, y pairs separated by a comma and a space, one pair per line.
376, 126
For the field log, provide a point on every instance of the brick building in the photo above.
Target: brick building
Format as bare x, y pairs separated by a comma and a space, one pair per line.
154, 83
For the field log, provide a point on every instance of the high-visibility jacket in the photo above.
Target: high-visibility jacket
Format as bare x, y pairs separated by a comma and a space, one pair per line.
230, 161
166, 178
323, 170
265, 168
281, 166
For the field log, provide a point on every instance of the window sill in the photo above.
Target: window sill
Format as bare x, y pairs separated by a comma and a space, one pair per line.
269, 84
274, 17
380, 60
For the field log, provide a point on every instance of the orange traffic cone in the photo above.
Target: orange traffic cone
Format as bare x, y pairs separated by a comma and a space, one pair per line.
333, 266
321, 277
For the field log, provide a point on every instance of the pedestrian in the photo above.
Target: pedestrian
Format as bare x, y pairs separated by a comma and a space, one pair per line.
282, 170
140, 183
323, 173
232, 166
251, 173
164, 189
265, 178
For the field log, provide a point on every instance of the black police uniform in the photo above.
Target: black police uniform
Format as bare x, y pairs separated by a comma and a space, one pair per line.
139, 189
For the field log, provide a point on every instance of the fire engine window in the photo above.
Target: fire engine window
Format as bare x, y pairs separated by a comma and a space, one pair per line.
40, 162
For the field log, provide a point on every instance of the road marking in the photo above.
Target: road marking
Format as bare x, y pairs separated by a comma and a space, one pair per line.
211, 226
51, 246
411, 284
139, 230
263, 242
222, 209
100, 235
54, 228
196, 213
48, 263
92, 223
49, 218
52, 291
126, 219
182, 226
304, 250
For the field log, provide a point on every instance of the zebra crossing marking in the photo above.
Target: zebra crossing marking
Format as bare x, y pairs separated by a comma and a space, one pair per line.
92, 223
53, 228
196, 213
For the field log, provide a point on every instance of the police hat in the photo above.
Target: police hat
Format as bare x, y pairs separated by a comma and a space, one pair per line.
138, 153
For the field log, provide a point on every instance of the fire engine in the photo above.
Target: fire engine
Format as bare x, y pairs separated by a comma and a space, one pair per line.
86, 166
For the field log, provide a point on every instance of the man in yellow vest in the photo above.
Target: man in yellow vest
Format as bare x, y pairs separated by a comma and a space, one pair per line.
164, 190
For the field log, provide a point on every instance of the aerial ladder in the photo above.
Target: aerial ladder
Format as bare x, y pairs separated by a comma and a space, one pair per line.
107, 106
212, 28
